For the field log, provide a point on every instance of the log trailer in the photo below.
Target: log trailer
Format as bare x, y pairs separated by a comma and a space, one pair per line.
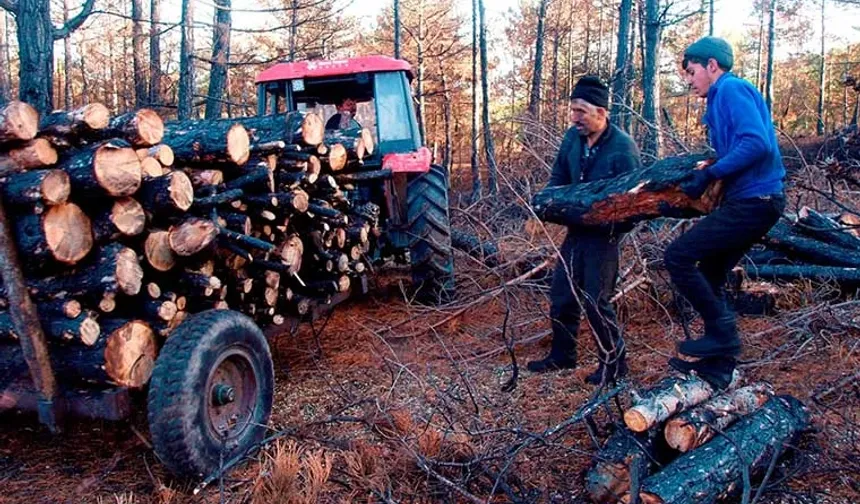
290, 216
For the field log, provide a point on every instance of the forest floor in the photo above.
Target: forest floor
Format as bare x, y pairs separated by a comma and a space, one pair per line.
390, 401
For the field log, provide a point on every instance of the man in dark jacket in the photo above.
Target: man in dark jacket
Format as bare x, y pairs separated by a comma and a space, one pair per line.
750, 165
586, 274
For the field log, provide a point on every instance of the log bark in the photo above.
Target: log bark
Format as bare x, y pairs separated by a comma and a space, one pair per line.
293, 128
161, 153
124, 354
141, 128
63, 234
115, 270
789, 273
669, 397
37, 187
122, 217
357, 142
67, 128
205, 178
256, 179
609, 477
716, 470
483, 250
695, 427
19, 122
198, 142
820, 227
110, 168
362, 176
644, 194
192, 236
170, 194
33, 154
784, 237
82, 329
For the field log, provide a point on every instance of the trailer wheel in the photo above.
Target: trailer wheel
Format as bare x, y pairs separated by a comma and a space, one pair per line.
211, 392
429, 231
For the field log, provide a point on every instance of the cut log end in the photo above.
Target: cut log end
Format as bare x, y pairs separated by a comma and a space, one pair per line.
95, 115
117, 169
238, 144
158, 252
337, 157
129, 274
636, 420
128, 216
192, 236
150, 127
89, 331
56, 187
130, 354
680, 435
18, 121
181, 190
150, 167
68, 232
367, 141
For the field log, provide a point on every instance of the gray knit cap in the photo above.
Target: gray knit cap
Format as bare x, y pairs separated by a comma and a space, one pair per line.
711, 47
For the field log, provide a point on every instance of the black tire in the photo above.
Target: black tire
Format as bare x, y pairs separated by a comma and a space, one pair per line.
429, 232
206, 353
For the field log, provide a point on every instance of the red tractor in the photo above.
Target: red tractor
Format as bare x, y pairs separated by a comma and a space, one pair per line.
413, 201
211, 388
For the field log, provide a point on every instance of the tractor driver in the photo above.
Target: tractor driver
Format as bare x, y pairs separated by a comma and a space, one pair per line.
345, 117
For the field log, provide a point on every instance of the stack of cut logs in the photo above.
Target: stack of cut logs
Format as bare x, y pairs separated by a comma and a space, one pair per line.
814, 246
686, 442
126, 225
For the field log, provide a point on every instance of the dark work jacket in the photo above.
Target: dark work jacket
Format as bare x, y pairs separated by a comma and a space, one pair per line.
616, 153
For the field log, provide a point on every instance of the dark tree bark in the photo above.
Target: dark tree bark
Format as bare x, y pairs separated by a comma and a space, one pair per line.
651, 80
67, 61
446, 112
154, 53
220, 59
140, 94
476, 172
294, 27
710, 17
819, 127
792, 272
397, 28
537, 71
822, 228
770, 43
36, 36
5, 63
186, 62
489, 144
784, 237
619, 82
555, 97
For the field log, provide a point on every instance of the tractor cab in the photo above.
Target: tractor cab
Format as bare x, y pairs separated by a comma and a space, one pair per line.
379, 85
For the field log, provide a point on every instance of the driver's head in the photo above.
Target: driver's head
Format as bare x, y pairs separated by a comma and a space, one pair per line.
347, 105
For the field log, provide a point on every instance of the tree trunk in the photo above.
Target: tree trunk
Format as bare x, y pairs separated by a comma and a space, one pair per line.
397, 28
141, 128
537, 71
610, 476
33, 154
36, 187
760, 52
5, 62
67, 61
619, 81
67, 128
110, 168
782, 236
711, 18
446, 112
294, 28
207, 142
746, 448
140, 94
695, 427
651, 192
651, 80
36, 52
825, 229
220, 59
18, 122
419, 81
474, 163
489, 144
670, 396
771, 35
555, 98
62, 234
819, 127
186, 62
155, 97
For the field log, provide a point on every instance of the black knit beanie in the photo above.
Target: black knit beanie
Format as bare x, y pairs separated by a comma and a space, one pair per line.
591, 89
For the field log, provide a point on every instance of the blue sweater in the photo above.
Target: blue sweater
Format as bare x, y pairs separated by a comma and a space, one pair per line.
742, 134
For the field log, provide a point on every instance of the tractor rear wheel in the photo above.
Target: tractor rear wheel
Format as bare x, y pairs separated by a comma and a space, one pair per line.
211, 392
429, 232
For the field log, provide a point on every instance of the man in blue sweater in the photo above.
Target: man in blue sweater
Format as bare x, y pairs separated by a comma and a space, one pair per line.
750, 165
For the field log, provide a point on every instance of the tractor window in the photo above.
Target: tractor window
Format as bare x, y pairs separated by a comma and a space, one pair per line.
394, 109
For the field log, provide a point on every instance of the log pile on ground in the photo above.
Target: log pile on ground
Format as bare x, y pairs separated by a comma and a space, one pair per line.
127, 225
684, 441
814, 246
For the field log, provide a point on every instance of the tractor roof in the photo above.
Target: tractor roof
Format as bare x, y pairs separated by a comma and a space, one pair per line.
330, 68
